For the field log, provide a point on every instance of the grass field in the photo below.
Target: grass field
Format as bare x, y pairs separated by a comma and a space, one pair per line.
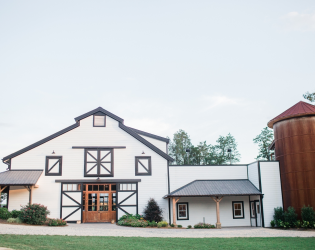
89, 243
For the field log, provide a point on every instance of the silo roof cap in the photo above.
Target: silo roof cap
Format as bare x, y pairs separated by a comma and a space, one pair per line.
298, 110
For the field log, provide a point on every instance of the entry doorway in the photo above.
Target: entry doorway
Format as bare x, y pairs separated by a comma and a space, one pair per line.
99, 202
255, 213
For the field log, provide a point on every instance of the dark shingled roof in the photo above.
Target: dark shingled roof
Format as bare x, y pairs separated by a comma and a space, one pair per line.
215, 188
20, 177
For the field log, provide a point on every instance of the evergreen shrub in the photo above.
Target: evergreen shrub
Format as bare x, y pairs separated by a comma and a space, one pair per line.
290, 217
308, 214
4, 213
278, 216
152, 211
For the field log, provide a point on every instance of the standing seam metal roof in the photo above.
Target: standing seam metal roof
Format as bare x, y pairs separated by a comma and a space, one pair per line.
20, 177
216, 188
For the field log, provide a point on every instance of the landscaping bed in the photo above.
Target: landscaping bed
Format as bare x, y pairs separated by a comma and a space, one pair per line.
31, 214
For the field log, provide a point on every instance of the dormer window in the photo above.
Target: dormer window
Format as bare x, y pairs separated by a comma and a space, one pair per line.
99, 120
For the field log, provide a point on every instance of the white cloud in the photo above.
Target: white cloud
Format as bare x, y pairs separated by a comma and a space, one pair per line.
296, 21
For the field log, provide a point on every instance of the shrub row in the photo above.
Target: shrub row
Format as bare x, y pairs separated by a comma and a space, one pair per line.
288, 219
34, 214
203, 225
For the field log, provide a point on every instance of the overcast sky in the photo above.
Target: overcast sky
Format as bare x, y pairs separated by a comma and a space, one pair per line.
207, 67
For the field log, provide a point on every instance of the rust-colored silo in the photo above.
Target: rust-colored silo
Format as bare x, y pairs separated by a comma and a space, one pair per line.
294, 132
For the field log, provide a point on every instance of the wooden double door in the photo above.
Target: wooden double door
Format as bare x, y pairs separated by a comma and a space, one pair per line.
99, 203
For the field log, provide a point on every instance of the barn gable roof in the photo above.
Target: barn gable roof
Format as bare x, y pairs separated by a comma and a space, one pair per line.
133, 132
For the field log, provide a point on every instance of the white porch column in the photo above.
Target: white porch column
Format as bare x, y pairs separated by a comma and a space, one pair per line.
1, 189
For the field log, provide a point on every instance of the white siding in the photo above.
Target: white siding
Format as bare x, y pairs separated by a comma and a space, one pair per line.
182, 175
200, 207
159, 144
48, 193
253, 174
271, 188
18, 196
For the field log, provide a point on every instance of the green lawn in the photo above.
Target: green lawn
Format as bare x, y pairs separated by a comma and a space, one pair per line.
89, 243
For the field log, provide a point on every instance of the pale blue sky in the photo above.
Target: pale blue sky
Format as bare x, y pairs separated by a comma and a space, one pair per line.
208, 67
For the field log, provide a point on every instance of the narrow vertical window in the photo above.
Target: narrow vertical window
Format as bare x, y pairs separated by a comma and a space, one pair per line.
238, 210
182, 211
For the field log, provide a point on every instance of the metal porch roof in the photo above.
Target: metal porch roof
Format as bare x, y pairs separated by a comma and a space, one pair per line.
19, 177
215, 188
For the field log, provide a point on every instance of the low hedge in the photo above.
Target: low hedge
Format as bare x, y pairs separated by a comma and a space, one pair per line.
35, 214
204, 225
56, 222
4, 213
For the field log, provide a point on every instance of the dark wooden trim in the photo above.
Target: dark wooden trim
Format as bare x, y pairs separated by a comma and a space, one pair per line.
47, 164
95, 181
262, 211
98, 162
178, 203
137, 162
64, 193
122, 210
71, 213
127, 199
233, 202
98, 114
140, 132
98, 147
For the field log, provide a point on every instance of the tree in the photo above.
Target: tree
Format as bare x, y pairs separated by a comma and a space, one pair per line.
264, 139
225, 143
309, 96
203, 154
152, 212
198, 154
177, 147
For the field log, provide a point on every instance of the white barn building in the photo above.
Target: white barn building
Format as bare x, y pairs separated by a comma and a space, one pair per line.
98, 169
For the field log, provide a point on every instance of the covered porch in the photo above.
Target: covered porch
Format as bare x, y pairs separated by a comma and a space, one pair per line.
19, 179
224, 203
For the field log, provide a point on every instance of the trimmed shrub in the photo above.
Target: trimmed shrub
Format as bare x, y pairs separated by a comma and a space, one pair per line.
152, 224
152, 211
56, 222
4, 213
189, 226
34, 214
132, 221
14, 220
272, 223
15, 213
172, 225
278, 215
179, 226
162, 224
290, 217
308, 214
204, 225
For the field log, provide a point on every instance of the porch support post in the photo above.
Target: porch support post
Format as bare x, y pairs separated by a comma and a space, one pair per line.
217, 201
1, 189
174, 209
30, 190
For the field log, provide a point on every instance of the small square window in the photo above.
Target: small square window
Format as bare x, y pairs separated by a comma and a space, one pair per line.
238, 209
143, 165
182, 211
99, 121
53, 166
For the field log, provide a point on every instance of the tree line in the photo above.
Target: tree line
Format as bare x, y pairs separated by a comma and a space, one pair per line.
223, 152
